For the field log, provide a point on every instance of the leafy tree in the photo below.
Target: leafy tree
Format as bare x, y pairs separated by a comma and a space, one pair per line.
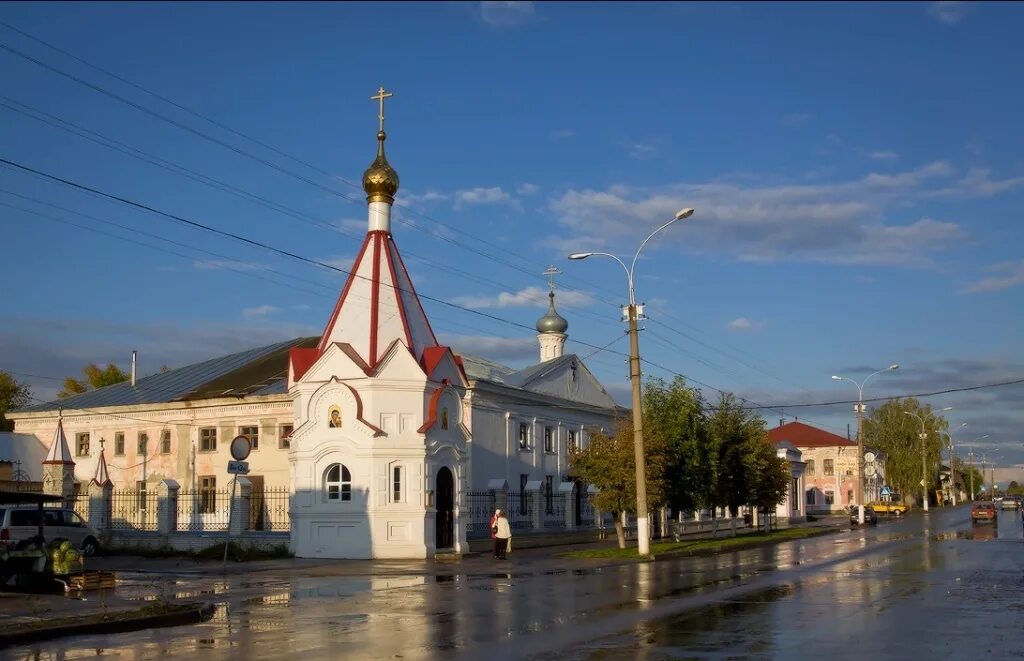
95, 377
733, 432
768, 475
897, 434
1014, 488
13, 395
608, 463
676, 431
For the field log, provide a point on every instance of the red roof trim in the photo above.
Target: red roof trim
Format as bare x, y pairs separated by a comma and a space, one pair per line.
377, 431
375, 299
432, 408
325, 338
398, 298
416, 297
301, 360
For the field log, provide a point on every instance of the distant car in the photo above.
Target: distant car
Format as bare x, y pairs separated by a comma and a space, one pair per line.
870, 518
20, 524
983, 512
895, 507
1010, 503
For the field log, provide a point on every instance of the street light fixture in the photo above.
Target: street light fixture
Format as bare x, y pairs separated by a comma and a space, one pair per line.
859, 408
924, 459
642, 527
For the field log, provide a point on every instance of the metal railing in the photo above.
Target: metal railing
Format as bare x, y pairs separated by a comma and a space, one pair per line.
519, 509
203, 510
478, 508
268, 509
131, 509
554, 511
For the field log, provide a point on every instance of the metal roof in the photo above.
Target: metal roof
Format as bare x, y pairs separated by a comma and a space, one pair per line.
260, 371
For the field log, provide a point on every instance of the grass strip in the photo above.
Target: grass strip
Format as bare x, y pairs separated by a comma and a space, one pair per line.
695, 546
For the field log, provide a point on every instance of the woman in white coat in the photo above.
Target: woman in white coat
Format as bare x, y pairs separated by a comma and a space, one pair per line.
502, 535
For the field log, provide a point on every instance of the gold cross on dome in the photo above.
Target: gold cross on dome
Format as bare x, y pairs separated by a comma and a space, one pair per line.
551, 272
380, 96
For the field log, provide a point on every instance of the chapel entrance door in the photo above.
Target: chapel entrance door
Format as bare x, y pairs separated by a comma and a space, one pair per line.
444, 524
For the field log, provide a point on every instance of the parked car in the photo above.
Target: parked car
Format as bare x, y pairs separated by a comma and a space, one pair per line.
983, 512
1010, 503
20, 524
895, 507
870, 518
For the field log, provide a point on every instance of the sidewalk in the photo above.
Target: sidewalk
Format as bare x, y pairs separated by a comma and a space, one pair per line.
176, 580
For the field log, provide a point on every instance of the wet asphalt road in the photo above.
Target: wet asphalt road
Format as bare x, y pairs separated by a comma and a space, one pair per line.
923, 587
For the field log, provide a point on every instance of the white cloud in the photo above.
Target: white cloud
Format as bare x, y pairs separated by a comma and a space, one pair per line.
744, 325
842, 222
417, 198
795, 118
351, 225
344, 262
884, 155
978, 183
949, 12
480, 195
526, 190
562, 134
507, 14
640, 150
526, 297
260, 311
1011, 274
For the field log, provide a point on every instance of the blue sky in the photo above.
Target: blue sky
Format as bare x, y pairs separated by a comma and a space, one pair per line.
856, 171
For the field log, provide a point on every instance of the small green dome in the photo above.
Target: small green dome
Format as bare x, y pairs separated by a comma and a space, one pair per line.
552, 322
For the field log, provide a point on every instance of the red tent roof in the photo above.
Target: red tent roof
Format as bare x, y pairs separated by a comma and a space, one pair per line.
806, 436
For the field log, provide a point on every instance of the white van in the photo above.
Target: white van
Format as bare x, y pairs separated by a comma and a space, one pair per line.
20, 523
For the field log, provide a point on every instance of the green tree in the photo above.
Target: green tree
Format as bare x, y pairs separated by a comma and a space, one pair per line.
768, 475
94, 377
1014, 488
13, 395
898, 435
733, 433
676, 431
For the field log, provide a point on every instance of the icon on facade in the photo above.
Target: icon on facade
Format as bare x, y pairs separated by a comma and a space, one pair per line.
335, 419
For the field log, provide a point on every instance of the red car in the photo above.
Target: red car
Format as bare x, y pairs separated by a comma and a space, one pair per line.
983, 512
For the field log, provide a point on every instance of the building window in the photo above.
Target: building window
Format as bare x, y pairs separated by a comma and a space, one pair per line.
830, 497
849, 472
140, 488
208, 439
849, 497
549, 439
253, 434
207, 494
143, 444
338, 483
830, 469
572, 442
82, 445
396, 484
119, 443
165, 441
810, 469
444, 418
810, 497
549, 494
524, 436
284, 437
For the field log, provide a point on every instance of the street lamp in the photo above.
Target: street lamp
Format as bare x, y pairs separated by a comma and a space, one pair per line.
859, 408
952, 462
642, 529
924, 459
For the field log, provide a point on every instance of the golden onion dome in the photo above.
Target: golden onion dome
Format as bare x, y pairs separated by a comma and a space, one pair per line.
380, 181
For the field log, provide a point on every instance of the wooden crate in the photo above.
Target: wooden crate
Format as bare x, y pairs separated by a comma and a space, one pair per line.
91, 580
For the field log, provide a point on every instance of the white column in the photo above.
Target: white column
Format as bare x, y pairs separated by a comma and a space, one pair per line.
380, 217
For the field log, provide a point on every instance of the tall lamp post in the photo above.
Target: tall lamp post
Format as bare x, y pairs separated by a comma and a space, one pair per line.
859, 408
924, 455
633, 313
952, 461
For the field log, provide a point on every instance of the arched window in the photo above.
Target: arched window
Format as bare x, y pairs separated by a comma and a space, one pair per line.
337, 483
444, 418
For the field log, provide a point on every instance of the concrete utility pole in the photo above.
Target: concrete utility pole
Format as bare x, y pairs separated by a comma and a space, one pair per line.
633, 313
924, 454
859, 409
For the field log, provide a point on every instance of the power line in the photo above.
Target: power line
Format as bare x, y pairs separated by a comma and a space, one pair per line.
883, 399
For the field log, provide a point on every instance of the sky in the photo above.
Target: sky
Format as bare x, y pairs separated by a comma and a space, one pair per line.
856, 171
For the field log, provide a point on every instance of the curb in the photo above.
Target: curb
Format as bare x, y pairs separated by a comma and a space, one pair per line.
74, 626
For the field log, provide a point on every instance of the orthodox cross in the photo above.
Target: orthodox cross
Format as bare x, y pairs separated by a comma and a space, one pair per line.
380, 96
551, 272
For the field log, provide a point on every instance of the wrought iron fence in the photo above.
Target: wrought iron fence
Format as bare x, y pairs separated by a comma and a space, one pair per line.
519, 509
586, 518
80, 503
479, 506
203, 510
268, 509
132, 509
554, 510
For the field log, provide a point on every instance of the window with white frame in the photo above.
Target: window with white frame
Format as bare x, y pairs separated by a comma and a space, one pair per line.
809, 470
208, 439
165, 441
82, 444
252, 433
830, 498
207, 494
396, 484
119, 444
572, 441
830, 468
337, 483
142, 444
284, 437
524, 436
549, 439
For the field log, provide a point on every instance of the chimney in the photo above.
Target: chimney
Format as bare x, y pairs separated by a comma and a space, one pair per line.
134, 354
